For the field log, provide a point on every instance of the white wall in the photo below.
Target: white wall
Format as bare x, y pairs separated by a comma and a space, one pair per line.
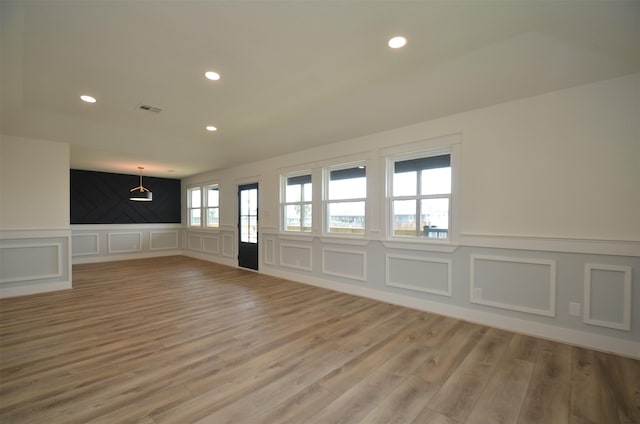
34, 216
565, 164
34, 182
547, 186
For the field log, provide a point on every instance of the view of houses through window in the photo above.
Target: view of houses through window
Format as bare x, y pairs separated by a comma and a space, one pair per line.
346, 197
297, 210
421, 191
207, 207
419, 199
213, 206
194, 204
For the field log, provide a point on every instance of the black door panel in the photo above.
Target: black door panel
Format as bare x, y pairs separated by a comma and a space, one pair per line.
248, 226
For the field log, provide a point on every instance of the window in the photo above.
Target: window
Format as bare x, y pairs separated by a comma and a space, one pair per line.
203, 206
213, 207
194, 204
345, 200
420, 197
297, 204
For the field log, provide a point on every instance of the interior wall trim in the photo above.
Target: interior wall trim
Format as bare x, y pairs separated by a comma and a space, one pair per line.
126, 256
57, 273
553, 244
551, 293
161, 233
96, 242
389, 257
111, 238
269, 251
296, 265
625, 307
362, 276
623, 347
26, 233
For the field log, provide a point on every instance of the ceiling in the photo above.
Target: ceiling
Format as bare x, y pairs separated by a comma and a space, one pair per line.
295, 74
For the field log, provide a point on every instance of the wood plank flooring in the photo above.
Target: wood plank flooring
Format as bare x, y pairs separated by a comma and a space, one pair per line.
178, 340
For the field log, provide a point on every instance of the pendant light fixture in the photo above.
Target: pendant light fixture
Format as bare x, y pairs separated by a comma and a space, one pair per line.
140, 193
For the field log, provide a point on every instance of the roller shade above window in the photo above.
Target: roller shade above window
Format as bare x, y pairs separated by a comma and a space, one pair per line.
300, 179
432, 162
346, 174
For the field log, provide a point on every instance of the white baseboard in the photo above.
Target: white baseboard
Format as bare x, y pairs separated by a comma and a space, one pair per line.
23, 288
209, 258
88, 259
598, 342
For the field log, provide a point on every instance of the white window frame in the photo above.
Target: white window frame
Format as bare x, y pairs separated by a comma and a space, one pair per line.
284, 203
206, 207
391, 160
203, 208
326, 202
191, 208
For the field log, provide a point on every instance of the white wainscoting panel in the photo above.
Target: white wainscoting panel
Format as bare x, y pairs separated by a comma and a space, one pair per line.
227, 245
519, 284
85, 244
269, 251
114, 242
607, 296
162, 240
30, 261
344, 263
124, 242
211, 244
428, 275
295, 256
194, 241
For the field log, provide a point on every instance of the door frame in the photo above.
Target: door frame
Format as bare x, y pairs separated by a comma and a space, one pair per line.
252, 261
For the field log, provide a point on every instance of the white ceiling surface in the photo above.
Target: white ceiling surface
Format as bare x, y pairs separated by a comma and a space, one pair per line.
294, 74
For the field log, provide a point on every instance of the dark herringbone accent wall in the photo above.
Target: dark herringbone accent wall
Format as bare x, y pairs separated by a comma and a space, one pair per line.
103, 198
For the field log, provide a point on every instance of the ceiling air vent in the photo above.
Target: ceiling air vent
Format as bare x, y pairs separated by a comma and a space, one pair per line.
149, 108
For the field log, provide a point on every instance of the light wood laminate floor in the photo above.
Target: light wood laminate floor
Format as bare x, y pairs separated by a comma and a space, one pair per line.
178, 340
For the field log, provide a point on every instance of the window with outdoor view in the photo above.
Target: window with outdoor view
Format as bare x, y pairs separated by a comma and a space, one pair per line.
194, 206
345, 200
213, 206
421, 196
297, 203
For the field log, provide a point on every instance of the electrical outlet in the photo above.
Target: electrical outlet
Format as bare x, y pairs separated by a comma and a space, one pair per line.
477, 293
574, 309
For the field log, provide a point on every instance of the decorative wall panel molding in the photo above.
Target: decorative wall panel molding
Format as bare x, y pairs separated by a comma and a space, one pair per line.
296, 256
549, 244
428, 275
109, 242
210, 244
30, 261
194, 241
519, 284
344, 263
269, 251
124, 242
607, 296
162, 240
227, 245
85, 244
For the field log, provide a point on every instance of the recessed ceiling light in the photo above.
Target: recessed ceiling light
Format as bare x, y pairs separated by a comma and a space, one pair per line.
397, 42
211, 128
213, 76
87, 99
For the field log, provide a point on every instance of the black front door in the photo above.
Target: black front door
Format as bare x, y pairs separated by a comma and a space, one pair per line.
248, 226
